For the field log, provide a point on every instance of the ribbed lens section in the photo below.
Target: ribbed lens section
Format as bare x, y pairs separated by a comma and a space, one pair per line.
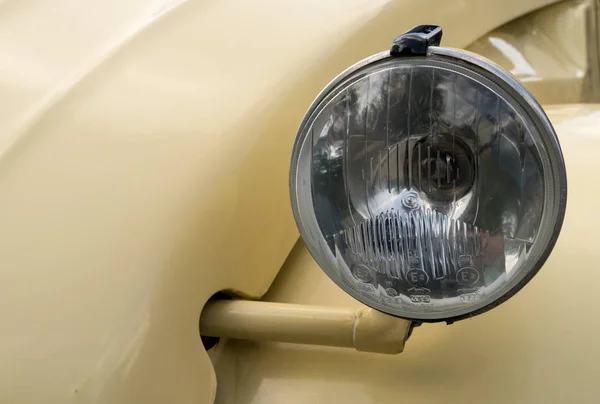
394, 242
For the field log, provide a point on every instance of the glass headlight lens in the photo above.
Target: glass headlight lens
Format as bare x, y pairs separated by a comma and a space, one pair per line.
428, 187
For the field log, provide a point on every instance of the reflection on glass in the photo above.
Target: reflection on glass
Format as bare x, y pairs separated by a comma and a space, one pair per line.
426, 184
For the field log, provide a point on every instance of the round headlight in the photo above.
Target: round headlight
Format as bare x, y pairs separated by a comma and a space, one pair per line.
428, 187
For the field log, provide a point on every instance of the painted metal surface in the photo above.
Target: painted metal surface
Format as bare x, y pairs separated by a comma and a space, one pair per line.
144, 151
365, 329
553, 51
538, 347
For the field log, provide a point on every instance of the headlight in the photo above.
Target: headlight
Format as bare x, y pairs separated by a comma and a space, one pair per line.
430, 187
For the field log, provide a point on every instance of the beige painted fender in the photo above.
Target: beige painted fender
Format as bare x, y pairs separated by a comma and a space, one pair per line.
144, 151
554, 51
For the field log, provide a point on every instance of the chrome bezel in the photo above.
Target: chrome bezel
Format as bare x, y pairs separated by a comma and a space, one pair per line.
520, 95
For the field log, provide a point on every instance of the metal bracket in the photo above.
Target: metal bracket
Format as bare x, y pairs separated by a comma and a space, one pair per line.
416, 41
364, 329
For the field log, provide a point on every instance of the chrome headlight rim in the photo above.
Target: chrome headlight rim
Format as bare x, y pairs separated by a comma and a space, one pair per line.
527, 104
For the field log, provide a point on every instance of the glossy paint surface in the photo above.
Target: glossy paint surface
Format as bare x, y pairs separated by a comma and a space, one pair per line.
538, 347
144, 154
553, 51
364, 329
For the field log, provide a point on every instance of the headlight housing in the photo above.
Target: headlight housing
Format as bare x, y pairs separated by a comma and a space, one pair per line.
430, 187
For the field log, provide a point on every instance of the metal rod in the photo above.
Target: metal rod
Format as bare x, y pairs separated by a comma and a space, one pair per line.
364, 329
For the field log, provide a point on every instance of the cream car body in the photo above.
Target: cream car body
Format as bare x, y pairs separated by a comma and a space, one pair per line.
144, 153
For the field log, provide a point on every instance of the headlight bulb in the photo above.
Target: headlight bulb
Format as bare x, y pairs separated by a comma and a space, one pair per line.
430, 187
